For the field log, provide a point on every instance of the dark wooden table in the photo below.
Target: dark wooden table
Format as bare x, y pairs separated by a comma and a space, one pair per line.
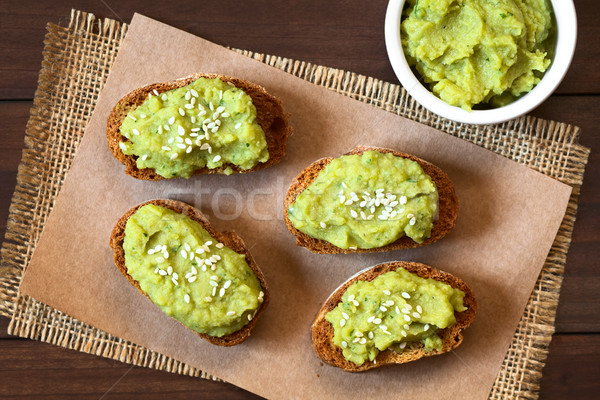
342, 34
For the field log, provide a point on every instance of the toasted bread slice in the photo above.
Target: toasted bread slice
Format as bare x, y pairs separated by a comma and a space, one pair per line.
229, 239
270, 116
447, 206
322, 330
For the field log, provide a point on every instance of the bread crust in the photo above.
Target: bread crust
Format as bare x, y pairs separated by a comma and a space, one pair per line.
322, 330
229, 239
270, 116
448, 206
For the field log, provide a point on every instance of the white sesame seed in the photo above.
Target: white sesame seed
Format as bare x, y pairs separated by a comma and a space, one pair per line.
213, 283
382, 308
227, 284
181, 145
353, 214
189, 106
156, 270
230, 313
416, 315
377, 321
187, 95
180, 130
160, 260
351, 297
155, 92
202, 112
355, 303
397, 310
408, 306
426, 327
419, 309
166, 148
225, 115
407, 318
151, 251
371, 318
412, 221
346, 316
184, 254
358, 334
405, 295
164, 97
167, 127
344, 344
387, 292
402, 345
353, 247
406, 326
160, 129
174, 156
214, 278
169, 270
179, 139
135, 132
188, 150
217, 158
342, 322
220, 109
211, 106
208, 299
249, 317
237, 126
219, 245
220, 95
132, 117
370, 335
214, 291
205, 146
171, 120
162, 272
389, 303
240, 95
186, 298
192, 278
362, 341
383, 327
144, 157
181, 112
323, 224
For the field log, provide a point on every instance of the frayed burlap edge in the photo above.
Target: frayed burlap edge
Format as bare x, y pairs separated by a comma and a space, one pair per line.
76, 62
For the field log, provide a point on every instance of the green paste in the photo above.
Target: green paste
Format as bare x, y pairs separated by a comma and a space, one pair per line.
188, 274
367, 201
479, 51
208, 123
396, 310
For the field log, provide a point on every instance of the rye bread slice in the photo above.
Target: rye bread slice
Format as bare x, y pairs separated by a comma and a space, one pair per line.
229, 239
447, 207
452, 337
271, 117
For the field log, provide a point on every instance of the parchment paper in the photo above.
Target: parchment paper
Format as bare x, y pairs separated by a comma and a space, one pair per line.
508, 218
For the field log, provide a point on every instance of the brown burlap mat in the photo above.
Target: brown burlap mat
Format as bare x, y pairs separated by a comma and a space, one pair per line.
76, 62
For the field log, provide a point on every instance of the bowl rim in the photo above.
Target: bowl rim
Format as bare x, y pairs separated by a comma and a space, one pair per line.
566, 25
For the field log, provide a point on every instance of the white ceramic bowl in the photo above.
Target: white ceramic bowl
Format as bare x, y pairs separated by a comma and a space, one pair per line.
566, 22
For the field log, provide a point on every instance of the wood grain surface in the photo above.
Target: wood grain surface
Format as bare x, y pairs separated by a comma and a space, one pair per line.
343, 34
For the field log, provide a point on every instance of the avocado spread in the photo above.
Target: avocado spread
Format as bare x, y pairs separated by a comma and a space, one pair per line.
208, 123
397, 310
478, 51
189, 275
367, 201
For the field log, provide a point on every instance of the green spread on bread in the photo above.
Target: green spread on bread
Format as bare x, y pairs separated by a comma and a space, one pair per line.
188, 274
367, 201
208, 123
397, 310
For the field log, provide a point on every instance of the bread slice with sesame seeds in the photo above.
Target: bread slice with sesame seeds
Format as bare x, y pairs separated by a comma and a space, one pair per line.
271, 117
322, 330
229, 239
447, 206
